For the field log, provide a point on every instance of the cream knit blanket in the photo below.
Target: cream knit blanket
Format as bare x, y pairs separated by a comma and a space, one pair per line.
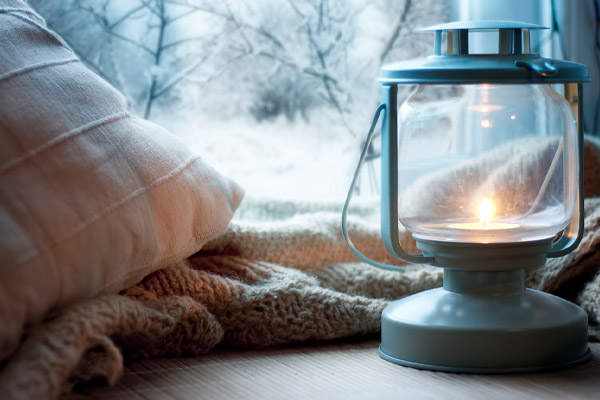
288, 279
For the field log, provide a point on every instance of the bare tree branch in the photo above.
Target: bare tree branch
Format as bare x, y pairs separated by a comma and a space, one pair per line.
396, 33
182, 15
230, 17
176, 43
180, 76
221, 71
157, 58
125, 16
295, 8
103, 23
154, 10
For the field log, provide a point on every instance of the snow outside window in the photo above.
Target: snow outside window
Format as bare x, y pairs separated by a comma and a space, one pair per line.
277, 94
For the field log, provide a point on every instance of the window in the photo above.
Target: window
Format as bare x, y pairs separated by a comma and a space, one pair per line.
276, 94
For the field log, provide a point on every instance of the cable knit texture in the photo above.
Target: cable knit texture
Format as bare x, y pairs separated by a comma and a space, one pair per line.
287, 277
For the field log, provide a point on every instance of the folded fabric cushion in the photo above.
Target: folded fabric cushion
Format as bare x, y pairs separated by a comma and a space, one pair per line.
92, 199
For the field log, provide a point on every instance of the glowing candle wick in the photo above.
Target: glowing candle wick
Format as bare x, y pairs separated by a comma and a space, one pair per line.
486, 213
486, 210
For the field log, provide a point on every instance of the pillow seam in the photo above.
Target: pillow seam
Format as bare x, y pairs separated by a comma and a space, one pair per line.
39, 26
36, 67
63, 137
136, 193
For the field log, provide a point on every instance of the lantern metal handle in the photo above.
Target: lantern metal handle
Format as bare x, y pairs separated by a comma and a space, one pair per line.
397, 250
361, 161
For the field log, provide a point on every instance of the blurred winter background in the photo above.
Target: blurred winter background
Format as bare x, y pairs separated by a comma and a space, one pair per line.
277, 94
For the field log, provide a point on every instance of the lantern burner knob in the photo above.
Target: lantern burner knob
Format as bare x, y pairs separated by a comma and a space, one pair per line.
513, 37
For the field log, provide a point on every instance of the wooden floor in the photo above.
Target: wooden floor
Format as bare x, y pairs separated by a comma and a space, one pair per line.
342, 370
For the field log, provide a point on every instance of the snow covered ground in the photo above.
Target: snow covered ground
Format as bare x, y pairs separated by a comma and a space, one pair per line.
305, 161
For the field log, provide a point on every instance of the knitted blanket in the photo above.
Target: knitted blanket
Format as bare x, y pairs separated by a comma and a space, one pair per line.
286, 277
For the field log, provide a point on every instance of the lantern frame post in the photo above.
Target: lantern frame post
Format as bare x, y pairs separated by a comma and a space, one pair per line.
389, 179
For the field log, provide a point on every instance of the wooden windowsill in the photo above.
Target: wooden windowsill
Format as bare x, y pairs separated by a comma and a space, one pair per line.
350, 369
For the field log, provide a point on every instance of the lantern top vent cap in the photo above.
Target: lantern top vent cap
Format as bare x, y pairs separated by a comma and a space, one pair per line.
512, 63
487, 25
453, 38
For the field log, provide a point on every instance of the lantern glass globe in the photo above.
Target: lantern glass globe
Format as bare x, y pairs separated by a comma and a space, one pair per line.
486, 163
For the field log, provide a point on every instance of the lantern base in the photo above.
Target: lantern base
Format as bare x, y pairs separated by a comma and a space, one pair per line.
497, 326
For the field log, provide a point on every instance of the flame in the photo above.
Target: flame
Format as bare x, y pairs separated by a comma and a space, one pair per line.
486, 211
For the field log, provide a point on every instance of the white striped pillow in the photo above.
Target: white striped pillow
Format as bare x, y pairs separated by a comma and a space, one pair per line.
92, 199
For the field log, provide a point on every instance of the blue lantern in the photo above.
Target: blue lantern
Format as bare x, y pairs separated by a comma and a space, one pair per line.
483, 165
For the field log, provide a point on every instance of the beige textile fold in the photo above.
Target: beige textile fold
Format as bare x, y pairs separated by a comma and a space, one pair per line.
270, 282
